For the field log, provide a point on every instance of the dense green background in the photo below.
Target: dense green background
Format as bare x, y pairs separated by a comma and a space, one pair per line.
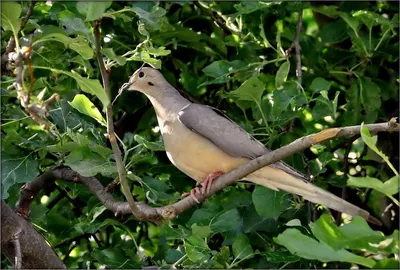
212, 52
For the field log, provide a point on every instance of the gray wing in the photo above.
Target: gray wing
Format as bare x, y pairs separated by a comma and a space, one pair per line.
226, 134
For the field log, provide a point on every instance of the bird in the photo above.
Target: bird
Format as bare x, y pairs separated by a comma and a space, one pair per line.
204, 143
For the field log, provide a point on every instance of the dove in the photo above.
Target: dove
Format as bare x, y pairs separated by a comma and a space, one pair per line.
204, 143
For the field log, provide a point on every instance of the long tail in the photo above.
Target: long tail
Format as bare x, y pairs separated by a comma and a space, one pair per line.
276, 179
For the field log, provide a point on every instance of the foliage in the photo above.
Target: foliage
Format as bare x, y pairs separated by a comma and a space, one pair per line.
230, 55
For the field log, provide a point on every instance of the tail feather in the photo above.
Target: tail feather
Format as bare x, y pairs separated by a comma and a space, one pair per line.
279, 180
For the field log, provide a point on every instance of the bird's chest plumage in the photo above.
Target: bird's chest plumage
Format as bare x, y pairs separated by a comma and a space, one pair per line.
193, 154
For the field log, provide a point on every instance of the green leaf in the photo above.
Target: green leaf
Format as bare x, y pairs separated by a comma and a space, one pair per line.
109, 52
268, 202
328, 10
327, 232
319, 84
390, 263
356, 235
370, 95
16, 169
280, 257
389, 188
371, 142
51, 33
285, 96
201, 231
241, 248
334, 32
309, 248
10, 12
371, 19
250, 6
153, 19
74, 25
160, 51
196, 249
114, 258
282, 73
156, 190
223, 68
353, 106
180, 232
226, 221
153, 146
81, 46
90, 86
92, 10
251, 90
353, 22
88, 163
144, 56
324, 107
85, 106
252, 222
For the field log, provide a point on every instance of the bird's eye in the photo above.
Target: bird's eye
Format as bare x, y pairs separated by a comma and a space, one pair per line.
141, 74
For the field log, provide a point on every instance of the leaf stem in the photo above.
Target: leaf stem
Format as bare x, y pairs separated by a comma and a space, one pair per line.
380, 41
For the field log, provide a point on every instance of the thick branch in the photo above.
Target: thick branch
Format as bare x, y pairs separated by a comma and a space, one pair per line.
29, 190
17, 251
110, 126
35, 253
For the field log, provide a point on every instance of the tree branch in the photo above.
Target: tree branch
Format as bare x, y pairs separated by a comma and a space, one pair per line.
17, 250
30, 190
296, 46
34, 250
110, 126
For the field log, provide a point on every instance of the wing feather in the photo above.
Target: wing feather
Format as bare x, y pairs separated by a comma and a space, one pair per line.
226, 134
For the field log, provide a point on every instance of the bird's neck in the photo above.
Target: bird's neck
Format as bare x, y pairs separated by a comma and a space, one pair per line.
167, 104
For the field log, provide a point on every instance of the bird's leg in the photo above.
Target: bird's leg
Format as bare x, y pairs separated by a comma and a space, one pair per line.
192, 194
208, 181
206, 186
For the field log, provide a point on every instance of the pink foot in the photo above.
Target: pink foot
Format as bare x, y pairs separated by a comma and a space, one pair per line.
208, 181
192, 194
206, 186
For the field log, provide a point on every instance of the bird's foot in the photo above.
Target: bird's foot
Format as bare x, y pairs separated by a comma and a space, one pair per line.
208, 181
192, 194
206, 186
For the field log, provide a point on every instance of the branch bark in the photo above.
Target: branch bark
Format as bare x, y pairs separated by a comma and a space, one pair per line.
110, 126
296, 45
29, 190
35, 253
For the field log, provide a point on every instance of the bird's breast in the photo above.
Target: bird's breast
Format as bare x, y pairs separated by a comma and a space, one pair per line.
194, 154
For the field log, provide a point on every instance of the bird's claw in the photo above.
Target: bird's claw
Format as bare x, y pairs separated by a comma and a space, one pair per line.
209, 180
206, 186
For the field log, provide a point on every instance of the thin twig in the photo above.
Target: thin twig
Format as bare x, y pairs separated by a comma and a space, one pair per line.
298, 48
30, 190
346, 171
296, 45
110, 126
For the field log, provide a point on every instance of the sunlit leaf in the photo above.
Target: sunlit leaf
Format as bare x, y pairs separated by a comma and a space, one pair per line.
85, 106
92, 10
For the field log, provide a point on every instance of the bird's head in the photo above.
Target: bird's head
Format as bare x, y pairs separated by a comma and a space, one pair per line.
146, 80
